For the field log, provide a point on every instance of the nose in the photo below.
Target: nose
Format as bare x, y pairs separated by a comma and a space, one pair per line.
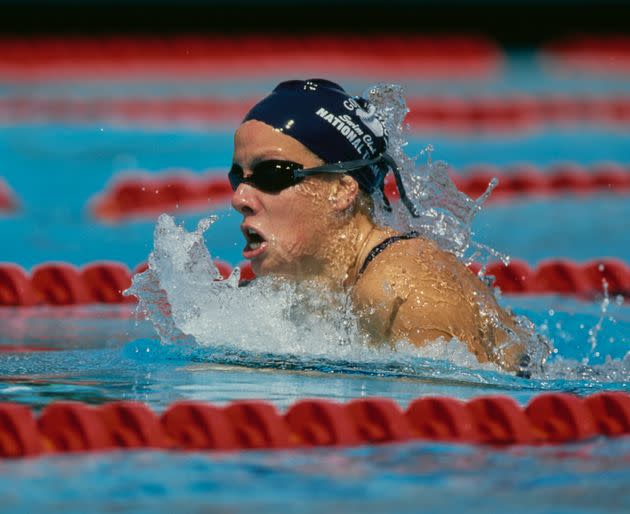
245, 200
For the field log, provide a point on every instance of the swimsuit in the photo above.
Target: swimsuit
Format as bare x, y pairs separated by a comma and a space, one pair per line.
381, 246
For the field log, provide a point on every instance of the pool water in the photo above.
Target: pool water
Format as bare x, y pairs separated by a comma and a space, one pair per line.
102, 353
406, 478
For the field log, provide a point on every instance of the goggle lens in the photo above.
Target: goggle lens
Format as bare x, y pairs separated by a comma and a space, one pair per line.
267, 176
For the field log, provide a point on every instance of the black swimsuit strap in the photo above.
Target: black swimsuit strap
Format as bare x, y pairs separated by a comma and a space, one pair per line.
384, 244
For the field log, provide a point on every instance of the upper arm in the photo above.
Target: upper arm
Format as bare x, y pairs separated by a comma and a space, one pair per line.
403, 297
407, 294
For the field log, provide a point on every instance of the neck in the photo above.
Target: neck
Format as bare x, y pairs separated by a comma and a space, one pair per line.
346, 248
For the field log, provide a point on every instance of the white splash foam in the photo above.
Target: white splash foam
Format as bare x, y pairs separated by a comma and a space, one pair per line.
182, 295
446, 213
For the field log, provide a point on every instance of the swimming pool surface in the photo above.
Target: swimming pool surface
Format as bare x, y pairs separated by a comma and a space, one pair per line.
100, 353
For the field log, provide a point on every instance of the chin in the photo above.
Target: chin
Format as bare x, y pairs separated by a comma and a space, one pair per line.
262, 267
257, 268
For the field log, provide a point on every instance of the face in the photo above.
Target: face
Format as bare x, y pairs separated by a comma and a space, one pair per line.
284, 231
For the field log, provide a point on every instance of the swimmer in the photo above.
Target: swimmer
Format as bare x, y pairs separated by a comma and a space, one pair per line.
309, 162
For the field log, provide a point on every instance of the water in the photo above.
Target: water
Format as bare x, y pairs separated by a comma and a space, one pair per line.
100, 353
399, 478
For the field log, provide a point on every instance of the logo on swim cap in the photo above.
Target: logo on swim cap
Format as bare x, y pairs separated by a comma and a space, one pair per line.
369, 118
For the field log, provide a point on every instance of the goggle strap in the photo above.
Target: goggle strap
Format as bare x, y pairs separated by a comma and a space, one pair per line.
340, 167
401, 188
386, 205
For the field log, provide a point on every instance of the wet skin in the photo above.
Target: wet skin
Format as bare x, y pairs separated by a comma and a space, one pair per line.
413, 290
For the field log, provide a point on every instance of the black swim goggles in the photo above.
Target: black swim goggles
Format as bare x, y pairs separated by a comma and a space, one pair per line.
272, 176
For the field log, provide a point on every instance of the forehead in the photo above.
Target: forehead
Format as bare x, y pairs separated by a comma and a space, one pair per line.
255, 140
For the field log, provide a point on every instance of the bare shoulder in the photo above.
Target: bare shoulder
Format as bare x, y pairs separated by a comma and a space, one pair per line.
418, 292
409, 265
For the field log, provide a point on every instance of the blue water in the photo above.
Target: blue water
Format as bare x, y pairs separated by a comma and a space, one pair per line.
98, 353
409, 478
98, 356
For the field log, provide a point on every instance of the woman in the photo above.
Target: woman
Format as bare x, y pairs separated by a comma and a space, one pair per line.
307, 161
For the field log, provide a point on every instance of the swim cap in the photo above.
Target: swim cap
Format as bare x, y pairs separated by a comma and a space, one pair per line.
328, 121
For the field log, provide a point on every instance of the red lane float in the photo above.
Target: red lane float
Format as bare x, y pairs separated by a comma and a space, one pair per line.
214, 57
64, 284
196, 426
594, 54
558, 418
15, 286
510, 114
442, 419
560, 276
145, 195
103, 282
437, 114
318, 423
549, 418
611, 412
8, 202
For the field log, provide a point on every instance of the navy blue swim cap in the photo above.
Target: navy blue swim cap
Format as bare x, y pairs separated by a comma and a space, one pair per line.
328, 121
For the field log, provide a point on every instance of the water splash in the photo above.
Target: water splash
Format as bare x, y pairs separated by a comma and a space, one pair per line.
593, 332
445, 216
283, 325
446, 213
182, 294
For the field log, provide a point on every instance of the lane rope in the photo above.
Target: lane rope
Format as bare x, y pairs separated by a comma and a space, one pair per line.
197, 56
609, 54
140, 194
426, 115
59, 283
549, 418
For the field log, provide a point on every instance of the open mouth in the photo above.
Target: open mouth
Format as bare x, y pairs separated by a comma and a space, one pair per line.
256, 243
254, 239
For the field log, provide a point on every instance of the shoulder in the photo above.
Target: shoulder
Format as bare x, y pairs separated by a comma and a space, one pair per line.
408, 265
417, 292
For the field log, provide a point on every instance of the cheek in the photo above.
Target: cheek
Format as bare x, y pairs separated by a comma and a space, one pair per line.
300, 223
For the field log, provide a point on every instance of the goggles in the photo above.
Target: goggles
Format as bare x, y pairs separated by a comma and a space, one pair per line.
273, 176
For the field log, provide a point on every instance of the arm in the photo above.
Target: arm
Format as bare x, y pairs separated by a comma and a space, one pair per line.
419, 295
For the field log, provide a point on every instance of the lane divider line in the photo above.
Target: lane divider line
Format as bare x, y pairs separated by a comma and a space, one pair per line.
215, 57
59, 283
140, 194
453, 115
498, 421
608, 54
